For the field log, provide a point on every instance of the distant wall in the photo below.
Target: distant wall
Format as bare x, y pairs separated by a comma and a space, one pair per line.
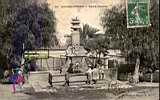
125, 69
147, 77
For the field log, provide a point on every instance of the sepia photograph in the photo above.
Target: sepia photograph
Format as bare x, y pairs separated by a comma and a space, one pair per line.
79, 50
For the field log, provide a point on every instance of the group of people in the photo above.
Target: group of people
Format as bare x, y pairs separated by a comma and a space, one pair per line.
19, 76
94, 74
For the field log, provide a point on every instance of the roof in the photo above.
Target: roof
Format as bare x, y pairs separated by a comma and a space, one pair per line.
56, 53
99, 32
111, 52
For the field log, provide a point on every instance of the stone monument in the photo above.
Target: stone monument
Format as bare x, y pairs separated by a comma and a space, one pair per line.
75, 52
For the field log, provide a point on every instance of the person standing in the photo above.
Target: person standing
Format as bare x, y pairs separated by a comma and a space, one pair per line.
89, 74
14, 78
20, 80
26, 71
101, 72
67, 74
95, 75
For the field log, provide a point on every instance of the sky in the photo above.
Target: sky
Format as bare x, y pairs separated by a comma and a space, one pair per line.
89, 11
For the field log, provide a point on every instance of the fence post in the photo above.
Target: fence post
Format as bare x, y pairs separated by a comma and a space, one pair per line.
53, 63
41, 63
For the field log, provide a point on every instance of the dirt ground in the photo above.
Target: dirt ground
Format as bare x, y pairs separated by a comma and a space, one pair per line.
75, 93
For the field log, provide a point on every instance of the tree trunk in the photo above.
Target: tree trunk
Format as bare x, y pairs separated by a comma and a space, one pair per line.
96, 59
136, 71
99, 57
151, 78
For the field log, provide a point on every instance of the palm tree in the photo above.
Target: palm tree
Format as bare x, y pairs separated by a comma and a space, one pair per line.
87, 32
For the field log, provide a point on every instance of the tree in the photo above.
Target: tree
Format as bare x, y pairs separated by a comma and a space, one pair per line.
86, 32
96, 44
140, 44
5, 40
33, 26
24, 22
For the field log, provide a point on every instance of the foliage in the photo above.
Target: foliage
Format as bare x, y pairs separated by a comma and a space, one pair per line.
97, 44
34, 27
24, 22
142, 43
5, 40
93, 43
86, 32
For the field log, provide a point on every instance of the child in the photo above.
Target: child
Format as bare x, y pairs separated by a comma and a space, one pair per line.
20, 80
13, 79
